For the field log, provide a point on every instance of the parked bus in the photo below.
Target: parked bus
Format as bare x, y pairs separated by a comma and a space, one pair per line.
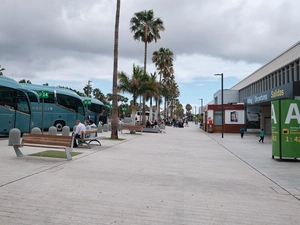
63, 107
97, 111
15, 109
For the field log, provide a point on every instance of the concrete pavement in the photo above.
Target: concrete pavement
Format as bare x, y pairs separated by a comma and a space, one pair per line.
183, 176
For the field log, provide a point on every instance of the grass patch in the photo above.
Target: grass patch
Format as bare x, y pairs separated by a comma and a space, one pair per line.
112, 139
54, 154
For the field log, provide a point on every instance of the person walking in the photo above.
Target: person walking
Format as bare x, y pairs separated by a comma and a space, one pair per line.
242, 131
262, 135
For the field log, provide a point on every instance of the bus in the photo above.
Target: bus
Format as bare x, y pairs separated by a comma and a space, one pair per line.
15, 109
62, 108
96, 111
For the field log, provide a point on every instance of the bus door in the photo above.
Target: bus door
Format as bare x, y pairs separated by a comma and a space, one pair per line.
7, 118
22, 115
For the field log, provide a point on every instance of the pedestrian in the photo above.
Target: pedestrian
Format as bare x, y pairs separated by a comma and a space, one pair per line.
87, 127
78, 132
261, 134
242, 131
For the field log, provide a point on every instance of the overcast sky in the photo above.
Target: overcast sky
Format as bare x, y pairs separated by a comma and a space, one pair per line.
68, 42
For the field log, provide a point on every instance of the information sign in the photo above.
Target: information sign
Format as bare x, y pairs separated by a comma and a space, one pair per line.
43, 94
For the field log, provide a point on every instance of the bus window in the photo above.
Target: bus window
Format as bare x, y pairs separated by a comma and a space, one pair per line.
7, 98
50, 99
22, 104
32, 97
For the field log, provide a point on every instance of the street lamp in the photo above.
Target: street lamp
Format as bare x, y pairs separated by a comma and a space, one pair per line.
201, 105
222, 101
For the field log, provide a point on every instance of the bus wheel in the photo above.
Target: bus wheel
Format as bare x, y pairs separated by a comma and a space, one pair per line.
59, 125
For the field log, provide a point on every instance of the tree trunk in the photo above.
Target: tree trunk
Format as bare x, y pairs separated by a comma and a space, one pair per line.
115, 120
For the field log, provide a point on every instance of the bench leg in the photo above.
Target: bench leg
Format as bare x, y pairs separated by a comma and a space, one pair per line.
68, 150
96, 141
18, 151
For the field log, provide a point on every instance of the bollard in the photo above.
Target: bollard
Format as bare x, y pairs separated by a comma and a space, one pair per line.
65, 131
105, 128
36, 130
99, 128
14, 137
52, 130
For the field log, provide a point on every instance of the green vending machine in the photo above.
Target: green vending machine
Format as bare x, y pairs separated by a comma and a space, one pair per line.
285, 118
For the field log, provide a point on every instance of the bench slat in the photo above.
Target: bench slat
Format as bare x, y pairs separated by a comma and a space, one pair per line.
45, 139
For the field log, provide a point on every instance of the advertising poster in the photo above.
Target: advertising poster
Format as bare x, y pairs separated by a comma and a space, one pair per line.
290, 128
275, 112
234, 116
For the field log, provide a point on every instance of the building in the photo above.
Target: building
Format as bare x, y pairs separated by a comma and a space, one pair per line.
278, 79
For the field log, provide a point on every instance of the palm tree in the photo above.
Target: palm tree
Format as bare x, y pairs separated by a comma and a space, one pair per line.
132, 85
100, 96
146, 28
188, 108
114, 123
153, 92
87, 91
163, 59
23, 81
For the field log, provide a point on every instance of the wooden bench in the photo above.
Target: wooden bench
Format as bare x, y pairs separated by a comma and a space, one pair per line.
131, 127
46, 141
151, 130
92, 136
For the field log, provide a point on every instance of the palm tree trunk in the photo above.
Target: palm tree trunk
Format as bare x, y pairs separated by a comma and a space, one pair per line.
114, 123
145, 70
150, 113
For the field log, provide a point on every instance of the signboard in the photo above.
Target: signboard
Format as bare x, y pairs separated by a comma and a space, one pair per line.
275, 120
284, 91
43, 94
87, 101
286, 128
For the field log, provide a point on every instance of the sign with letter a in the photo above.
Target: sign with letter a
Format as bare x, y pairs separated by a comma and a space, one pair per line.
285, 116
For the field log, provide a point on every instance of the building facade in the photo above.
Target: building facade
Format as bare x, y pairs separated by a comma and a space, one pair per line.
278, 79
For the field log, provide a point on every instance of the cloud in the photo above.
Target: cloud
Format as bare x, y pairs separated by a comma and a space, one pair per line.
73, 39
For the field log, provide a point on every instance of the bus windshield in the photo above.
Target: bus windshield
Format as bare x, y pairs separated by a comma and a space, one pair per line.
15, 110
96, 110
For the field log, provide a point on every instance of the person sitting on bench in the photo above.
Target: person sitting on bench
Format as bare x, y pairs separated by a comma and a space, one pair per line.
87, 127
77, 134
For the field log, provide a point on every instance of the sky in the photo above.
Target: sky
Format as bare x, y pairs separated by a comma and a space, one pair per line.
70, 42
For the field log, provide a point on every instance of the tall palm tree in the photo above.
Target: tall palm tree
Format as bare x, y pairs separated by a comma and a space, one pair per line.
132, 85
163, 59
114, 123
146, 28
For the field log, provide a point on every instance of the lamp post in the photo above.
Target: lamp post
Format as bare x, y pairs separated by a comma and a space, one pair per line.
222, 101
201, 105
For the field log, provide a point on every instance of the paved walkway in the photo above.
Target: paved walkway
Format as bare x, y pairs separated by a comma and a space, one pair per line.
183, 176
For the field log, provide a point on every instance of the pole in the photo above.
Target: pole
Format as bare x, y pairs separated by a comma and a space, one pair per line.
43, 115
222, 105
222, 102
